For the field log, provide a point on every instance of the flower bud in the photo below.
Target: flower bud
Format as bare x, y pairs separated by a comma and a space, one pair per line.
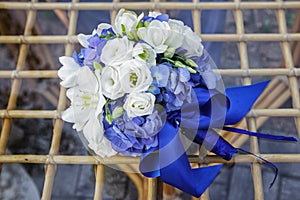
177, 63
191, 63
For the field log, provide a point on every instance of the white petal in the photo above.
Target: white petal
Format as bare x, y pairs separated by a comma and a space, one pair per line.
69, 115
69, 82
87, 79
70, 93
68, 62
68, 72
93, 131
101, 27
83, 39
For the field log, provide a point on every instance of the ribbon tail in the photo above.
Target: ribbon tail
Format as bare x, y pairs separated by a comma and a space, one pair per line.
191, 181
268, 163
175, 167
241, 100
261, 135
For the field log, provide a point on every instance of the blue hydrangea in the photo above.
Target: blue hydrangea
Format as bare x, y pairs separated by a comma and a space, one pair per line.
162, 18
136, 135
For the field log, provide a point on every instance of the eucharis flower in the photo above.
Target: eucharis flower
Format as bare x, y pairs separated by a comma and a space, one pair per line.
87, 102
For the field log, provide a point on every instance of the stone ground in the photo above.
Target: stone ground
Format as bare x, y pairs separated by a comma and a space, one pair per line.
77, 181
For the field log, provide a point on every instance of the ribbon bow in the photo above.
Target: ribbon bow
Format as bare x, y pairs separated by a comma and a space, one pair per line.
210, 110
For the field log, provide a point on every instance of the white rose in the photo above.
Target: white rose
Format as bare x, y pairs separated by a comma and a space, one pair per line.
175, 37
68, 73
191, 43
139, 104
135, 76
110, 82
156, 35
128, 19
145, 53
117, 51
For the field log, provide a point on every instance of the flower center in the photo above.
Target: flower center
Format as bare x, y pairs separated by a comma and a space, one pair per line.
88, 100
133, 79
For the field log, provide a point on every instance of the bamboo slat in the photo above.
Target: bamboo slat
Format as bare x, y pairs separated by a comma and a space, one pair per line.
99, 174
150, 5
85, 160
224, 72
16, 84
288, 62
56, 114
246, 37
242, 47
58, 123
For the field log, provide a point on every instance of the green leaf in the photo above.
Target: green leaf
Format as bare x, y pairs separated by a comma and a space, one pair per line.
108, 116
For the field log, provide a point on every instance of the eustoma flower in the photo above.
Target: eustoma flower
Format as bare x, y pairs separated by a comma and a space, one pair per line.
135, 76
126, 23
111, 83
139, 104
156, 34
136, 84
117, 51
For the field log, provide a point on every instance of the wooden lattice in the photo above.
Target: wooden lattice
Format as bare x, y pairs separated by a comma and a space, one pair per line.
279, 90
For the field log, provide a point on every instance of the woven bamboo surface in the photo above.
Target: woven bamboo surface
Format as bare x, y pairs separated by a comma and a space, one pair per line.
269, 105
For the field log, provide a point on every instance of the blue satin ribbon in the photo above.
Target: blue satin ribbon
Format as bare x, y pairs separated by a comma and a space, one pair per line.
172, 165
216, 110
260, 135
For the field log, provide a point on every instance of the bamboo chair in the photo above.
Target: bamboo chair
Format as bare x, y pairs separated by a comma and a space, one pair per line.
267, 106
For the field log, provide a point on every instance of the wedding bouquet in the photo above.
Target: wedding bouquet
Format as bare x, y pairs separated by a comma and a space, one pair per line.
143, 86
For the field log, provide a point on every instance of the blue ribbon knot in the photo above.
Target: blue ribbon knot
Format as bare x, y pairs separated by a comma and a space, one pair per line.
216, 110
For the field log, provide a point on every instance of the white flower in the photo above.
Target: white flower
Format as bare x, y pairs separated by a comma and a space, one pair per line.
68, 73
156, 35
101, 27
117, 51
110, 82
135, 76
126, 22
86, 98
154, 14
191, 43
139, 104
175, 38
83, 39
145, 53
93, 132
